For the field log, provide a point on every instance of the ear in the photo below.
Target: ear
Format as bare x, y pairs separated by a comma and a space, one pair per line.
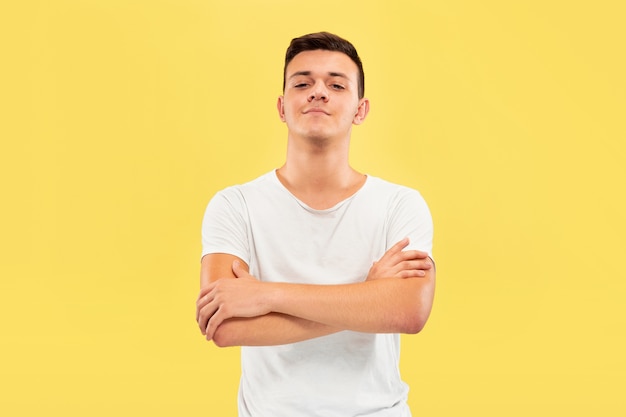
280, 106
361, 111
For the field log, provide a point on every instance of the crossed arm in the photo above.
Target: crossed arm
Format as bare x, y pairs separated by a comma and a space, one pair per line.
396, 297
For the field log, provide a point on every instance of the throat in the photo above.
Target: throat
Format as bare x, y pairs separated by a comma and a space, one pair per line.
322, 194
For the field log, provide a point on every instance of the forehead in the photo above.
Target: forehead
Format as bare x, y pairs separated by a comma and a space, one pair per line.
322, 62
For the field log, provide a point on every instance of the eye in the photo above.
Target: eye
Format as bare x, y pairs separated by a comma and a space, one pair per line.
337, 86
300, 85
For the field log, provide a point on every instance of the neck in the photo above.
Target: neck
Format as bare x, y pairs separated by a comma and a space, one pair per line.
319, 173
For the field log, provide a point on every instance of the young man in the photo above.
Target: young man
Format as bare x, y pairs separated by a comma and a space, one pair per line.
330, 265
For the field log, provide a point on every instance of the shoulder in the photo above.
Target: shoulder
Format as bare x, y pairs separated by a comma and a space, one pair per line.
391, 192
407, 215
238, 192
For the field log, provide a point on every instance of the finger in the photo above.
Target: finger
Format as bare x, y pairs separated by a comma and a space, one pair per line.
199, 305
412, 268
213, 324
396, 249
410, 273
202, 322
400, 245
423, 265
204, 291
414, 254
413, 273
206, 313
204, 298
239, 270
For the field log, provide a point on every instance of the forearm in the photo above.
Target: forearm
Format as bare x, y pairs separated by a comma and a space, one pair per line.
396, 297
379, 306
270, 329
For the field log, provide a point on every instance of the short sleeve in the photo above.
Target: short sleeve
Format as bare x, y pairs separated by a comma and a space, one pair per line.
224, 226
410, 217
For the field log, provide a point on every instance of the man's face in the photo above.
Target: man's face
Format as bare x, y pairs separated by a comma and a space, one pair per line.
321, 99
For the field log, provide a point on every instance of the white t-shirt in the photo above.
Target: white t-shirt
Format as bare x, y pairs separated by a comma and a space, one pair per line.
284, 240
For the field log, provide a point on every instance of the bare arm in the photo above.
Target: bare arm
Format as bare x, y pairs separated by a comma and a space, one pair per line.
380, 306
377, 305
264, 330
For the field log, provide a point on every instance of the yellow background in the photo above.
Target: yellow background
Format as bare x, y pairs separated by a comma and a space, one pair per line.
121, 118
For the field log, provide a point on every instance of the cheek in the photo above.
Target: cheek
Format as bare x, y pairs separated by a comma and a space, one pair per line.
287, 111
351, 114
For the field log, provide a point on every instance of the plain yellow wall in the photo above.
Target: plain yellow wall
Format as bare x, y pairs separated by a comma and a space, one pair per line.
121, 118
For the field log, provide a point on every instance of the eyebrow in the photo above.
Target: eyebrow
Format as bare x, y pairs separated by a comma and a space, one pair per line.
308, 73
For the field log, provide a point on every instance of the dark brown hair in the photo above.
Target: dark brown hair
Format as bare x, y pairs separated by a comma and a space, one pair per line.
327, 42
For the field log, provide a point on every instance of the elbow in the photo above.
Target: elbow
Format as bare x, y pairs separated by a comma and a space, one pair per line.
414, 324
414, 318
417, 310
223, 337
221, 342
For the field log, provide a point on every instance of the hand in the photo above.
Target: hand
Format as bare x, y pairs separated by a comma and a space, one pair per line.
396, 263
225, 298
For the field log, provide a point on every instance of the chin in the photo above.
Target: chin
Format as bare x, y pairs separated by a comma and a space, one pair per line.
319, 141
319, 133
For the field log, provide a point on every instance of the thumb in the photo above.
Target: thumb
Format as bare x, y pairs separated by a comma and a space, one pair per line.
238, 269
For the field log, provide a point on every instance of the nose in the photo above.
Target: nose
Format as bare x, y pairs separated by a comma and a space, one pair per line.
319, 92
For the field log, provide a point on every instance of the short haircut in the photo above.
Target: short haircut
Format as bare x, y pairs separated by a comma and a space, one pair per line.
327, 42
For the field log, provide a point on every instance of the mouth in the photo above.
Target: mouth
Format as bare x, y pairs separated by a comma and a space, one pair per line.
316, 110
